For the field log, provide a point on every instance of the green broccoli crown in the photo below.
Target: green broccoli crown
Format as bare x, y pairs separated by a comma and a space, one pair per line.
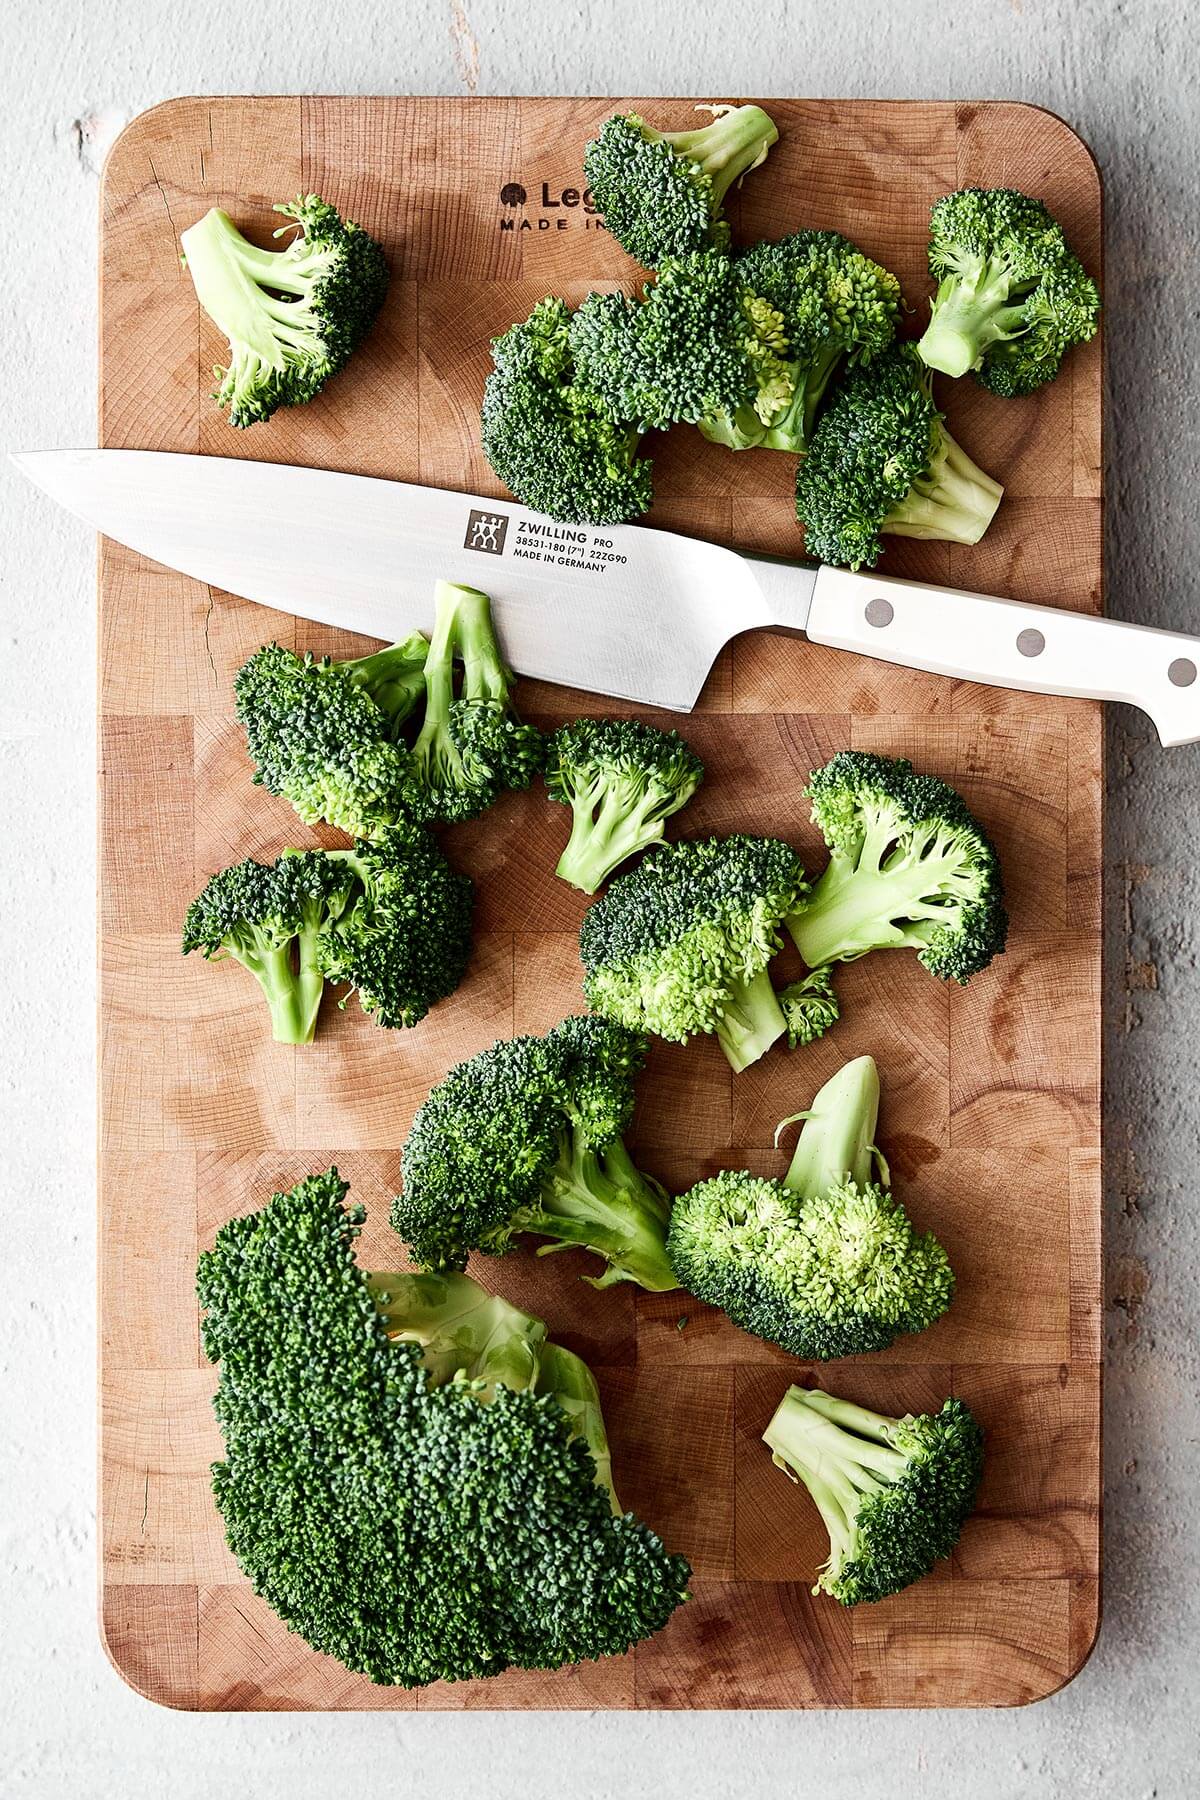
910, 867
386, 1490
810, 1007
526, 1137
662, 193
404, 941
881, 460
622, 780
553, 443
894, 1493
293, 317
1012, 297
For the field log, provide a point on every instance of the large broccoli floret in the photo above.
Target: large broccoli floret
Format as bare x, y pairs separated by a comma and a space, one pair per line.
681, 944
810, 1007
622, 779
555, 444
662, 193
894, 1493
882, 461
837, 308
909, 868
324, 734
413, 1479
527, 1137
824, 1263
293, 317
1012, 297
469, 749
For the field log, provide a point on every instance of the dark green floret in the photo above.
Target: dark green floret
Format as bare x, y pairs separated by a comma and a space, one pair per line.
662, 193
681, 944
881, 461
894, 1493
413, 1479
293, 317
622, 780
909, 868
326, 735
810, 1007
1012, 297
527, 1137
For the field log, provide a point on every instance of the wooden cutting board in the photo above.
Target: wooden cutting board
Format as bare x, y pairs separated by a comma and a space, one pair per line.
991, 1110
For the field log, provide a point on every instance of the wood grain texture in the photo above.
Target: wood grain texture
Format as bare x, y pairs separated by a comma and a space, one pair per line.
991, 1096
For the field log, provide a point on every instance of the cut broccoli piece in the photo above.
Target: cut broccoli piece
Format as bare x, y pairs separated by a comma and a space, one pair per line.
293, 317
413, 1479
622, 779
554, 444
1012, 298
324, 734
527, 1137
662, 193
810, 1007
881, 460
909, 868
894, 1493
681, 944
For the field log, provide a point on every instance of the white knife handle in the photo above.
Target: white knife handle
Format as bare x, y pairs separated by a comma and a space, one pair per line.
1005, 643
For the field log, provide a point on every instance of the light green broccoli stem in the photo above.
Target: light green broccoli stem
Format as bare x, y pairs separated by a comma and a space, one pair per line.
807, 1441
811, 382
971, 312
609, 823
734, 143
463, 1331
573, 1385
599, 1200
837, 1140
232, 278
294, 999
462, 625
752, 1021
953, 502
394, 678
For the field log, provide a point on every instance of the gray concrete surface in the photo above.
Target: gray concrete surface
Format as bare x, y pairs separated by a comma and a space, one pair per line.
1127, 75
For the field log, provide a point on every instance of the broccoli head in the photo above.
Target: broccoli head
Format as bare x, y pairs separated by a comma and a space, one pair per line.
663, 193
681, 944
1012, 298
555, 444
622, 779
882, 461
413, 1479
909, 868
527, 1137
809, 1006
894, 1493
293, 317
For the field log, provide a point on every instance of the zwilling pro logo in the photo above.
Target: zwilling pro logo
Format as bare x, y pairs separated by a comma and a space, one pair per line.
486, 531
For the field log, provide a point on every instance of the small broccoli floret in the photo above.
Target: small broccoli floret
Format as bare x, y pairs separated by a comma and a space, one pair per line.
810, 1007
527, 1137
882, 461
555, 444
662, 193
909, 868
270, 917
622, 779
1012, 297
293, 317
837, 308
413, 1479
681, 944
894, 1493
325, 734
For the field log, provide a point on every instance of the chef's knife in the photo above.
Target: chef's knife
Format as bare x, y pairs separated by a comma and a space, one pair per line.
622, 610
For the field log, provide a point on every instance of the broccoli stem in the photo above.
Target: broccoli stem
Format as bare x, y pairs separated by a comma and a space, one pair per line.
837, 1140
462, 624
751, 1022
734, 143
608, 824
294, 999
599, 1200
568, 1378
879, 901
836, 1465
230, 275
811, 382
461, 1329
971, 312
394, 677
953, 502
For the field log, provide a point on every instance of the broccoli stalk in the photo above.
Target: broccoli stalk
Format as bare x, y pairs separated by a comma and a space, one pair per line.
622, 780
393, 677
953, 501
837, 1140
599, 1200
751, 1021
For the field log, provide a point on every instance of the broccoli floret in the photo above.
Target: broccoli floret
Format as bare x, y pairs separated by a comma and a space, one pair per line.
662, 193
894, 1493
810, 1007
293, 317
881, 460
270, 917
1012, 297
527, 1137
469, 749
554, 444
909, 868
622, 779
681, 944
410, 1475
325, 734
700, 348
825, 1263
837, 308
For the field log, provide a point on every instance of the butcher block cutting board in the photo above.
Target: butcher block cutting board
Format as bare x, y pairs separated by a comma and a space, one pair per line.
991, 1113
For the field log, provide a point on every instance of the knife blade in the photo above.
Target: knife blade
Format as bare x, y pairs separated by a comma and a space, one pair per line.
626, 610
